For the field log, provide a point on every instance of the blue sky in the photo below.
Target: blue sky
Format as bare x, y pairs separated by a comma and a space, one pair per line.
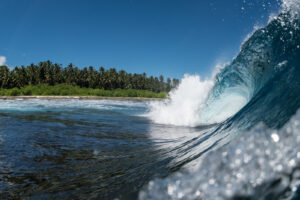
154, 36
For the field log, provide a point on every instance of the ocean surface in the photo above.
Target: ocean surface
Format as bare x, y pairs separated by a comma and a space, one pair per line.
82, 149
234, 136
88, 149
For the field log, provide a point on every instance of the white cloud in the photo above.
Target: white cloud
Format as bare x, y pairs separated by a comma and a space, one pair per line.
2, 60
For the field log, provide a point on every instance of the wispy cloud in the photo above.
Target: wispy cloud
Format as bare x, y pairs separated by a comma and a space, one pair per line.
2, 60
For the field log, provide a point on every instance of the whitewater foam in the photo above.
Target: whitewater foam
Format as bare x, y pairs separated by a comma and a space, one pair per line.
184, 104
40, 104
189, 104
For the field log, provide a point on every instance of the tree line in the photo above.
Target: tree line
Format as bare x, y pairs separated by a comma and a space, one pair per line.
52, 74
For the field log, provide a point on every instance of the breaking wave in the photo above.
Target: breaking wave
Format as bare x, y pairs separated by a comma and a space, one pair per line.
250, 102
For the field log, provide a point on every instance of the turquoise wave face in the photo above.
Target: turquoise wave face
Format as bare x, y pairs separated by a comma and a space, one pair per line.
266, 72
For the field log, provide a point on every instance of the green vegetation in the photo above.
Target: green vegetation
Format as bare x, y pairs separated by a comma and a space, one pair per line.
53, 74
47, 78
69, 90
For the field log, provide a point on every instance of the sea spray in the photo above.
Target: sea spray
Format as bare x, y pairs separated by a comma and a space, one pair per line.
184, 105
190, 104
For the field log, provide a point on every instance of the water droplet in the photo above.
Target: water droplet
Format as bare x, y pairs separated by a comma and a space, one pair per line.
275, 137
170, 189
279, 167
292, 163
211, 181
198, 193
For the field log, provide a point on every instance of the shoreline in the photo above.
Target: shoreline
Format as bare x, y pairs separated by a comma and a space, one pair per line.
81, 98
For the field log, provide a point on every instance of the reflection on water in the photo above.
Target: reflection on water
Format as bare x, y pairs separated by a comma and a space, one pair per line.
81, 149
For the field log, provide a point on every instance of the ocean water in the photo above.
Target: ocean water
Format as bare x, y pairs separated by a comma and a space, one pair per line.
87, 149
234, 136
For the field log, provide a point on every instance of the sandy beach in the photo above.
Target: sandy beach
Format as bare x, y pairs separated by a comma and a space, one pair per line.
81, 97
